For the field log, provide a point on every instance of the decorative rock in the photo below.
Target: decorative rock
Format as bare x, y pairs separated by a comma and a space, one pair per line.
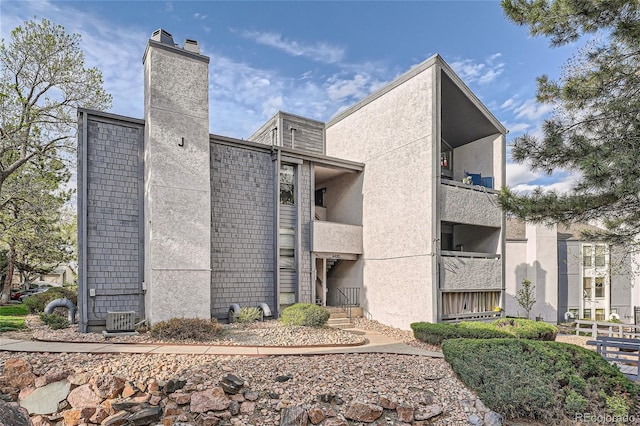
76, 416
108, 386
117, 419
273, 395
231, 384
174, 385
13, 415
251, 395
316, 415
405, 414
363, 412
386, 403
25, 393
18, 373
129, 389
480, 406
155, 400
153, 386
40, 421
145, 417
294, 416
247, 407
125, 405
282, 379
493, 419
207, 420
50, 378
334, 421
83, 396
100, 414
79, 379
45, 400
210, 399
234, 408
475, 420
180, 398
425, 413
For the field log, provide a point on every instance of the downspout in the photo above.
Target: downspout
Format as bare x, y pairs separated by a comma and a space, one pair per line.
141, 230
436, 134
82, 217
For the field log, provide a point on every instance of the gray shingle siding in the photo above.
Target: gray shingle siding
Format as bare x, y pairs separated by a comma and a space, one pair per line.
242, 231
305, 228
113, 240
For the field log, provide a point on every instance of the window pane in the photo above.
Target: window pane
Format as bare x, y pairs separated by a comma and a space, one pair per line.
586, 286
599, 314
600, 287
287, 187
587, 313
600, 256
586, 255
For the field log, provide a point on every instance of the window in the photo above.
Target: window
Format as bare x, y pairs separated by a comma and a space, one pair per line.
586, 287
614, 311
599, 314
586, 255
587, 313
287, 185
600, 256
446, 160
600, 287
575, 312
287, 248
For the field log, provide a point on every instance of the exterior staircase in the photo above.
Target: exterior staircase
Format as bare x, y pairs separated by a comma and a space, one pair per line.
338, 317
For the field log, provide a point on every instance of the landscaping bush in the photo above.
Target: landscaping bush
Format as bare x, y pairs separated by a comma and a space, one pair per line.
527, 329
547, 381
306, 314
38, 302
248, 314
197, 329
436, 333
55, 321
520, 328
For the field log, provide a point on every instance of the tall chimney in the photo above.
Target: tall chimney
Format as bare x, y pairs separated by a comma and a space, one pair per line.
177, 186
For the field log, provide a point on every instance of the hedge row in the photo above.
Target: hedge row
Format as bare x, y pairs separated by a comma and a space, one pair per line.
503, 328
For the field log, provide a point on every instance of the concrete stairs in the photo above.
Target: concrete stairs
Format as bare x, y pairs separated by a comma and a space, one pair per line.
338, 318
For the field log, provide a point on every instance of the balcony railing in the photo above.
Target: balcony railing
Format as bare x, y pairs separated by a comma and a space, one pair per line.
470, 271
339, 238
469, 204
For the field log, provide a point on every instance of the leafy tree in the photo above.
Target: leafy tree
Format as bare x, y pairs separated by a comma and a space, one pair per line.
31, 223
594, 130
43, 81
526, 296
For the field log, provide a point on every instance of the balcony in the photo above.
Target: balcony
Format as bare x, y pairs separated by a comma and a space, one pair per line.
465, 271
336, 238
469, 204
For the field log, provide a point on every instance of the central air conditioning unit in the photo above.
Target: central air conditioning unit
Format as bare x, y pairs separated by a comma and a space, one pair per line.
121, 321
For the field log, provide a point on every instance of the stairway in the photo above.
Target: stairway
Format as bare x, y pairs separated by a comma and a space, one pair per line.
338, 318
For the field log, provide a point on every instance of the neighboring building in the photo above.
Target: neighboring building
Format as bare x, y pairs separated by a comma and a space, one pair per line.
586, 279
367, 209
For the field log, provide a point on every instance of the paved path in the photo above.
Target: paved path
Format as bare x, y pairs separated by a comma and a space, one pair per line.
376, 343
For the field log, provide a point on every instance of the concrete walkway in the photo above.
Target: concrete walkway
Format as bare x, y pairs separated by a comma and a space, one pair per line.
376, 343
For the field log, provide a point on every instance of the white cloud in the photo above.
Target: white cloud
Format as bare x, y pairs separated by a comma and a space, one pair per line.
532, 110
484, 72
517, 127
200, 16
356, 87
320, 51
518, 174
563, 186
508, 104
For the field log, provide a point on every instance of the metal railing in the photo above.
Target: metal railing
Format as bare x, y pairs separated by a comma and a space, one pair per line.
348, 297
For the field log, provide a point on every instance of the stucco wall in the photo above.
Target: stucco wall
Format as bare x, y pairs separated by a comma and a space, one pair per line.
463, 273
392, 135
242, 211
177, 184
516, 269
343, 198
466, 205
114, 217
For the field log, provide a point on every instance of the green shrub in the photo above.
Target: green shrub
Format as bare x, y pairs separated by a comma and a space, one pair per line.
55, 321
306, 314
248, 314
527, 329
435, 334
38, 302
536, 379
520, 328
197, 329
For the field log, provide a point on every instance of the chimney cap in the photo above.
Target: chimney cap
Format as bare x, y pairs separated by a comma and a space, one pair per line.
163, 37
191, 45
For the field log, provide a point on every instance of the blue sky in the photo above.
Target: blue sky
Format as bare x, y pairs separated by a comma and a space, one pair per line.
314, 58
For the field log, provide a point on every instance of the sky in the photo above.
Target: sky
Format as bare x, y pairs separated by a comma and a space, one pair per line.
315, 58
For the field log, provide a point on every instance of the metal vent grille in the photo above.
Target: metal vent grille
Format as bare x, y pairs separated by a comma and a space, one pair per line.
121, 321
